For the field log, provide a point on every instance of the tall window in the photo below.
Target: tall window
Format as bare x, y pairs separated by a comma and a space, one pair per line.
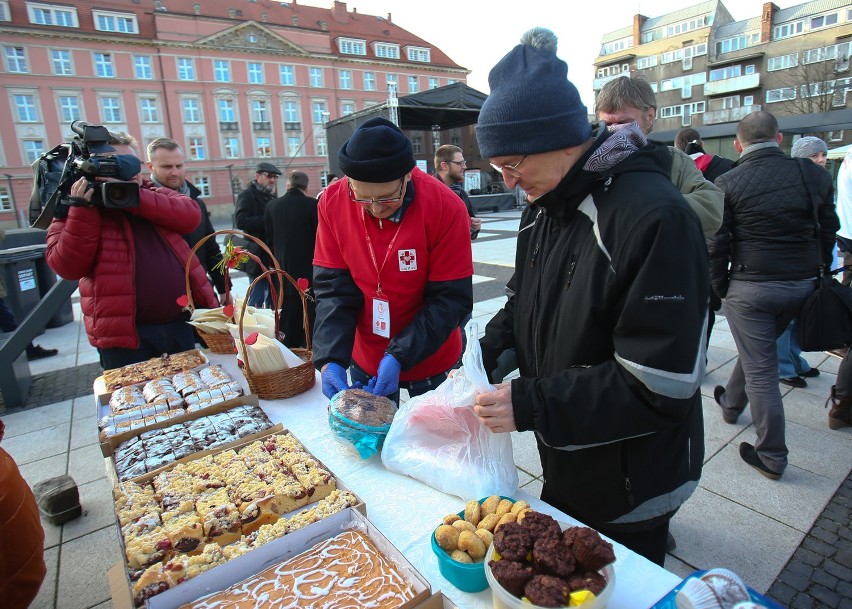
149, 110
433, 83
319, 112
417, 144
347, 108
255, 73
227, 114
60, 61
16, 60
413, 84
263, 147
369, 81
293, 146
32, 150
391, 81
321, 145
115, 22
288, 74
316, 77
231, 147
25, 108
191, 110
69, 108
291, 111
6, 200
111, 109
202, 183
196, 149
45, 14
142, 67
103, 65
259, 111
186, 68
222, 70
345, 77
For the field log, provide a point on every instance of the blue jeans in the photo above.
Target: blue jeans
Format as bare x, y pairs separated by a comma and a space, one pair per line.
356, 374
154, 341
260, 294
790, 360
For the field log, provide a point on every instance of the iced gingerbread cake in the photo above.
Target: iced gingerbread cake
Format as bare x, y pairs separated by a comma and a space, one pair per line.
344, 571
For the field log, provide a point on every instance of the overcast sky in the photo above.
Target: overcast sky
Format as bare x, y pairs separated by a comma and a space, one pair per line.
477, 33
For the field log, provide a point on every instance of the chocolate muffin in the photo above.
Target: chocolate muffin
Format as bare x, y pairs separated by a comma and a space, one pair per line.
552, 557
547, 591
590, 550
541, 526
513, 576
595, 582
513, 542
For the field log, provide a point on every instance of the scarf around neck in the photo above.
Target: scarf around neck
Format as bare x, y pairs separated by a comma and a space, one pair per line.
184, 187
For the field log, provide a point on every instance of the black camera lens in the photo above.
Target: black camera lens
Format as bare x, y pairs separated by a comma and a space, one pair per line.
120, 195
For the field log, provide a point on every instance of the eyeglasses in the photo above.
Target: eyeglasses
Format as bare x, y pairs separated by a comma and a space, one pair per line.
512, 170
271, 176
460, 163
377, 200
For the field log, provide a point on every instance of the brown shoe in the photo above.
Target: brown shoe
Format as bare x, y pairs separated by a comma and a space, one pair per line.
840, 414
841, 353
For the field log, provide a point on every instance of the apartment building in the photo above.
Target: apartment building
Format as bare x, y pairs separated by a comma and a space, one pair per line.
235, 82
709, 70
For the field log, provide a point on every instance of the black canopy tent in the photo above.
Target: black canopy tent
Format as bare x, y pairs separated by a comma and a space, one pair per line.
454, 105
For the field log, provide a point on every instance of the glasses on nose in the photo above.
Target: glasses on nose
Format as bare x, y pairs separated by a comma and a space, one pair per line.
271, 176
378, 200
512, 170
459, 163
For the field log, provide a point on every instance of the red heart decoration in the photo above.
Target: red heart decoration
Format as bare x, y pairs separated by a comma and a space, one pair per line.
302, 283
228, 310
183, 301
251, 338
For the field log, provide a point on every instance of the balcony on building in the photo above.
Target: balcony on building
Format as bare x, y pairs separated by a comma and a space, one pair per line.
229, 126
292, 126
598, 83
732, 85
729, 115
261, 126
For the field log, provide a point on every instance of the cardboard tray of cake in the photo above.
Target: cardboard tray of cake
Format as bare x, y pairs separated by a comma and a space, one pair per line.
204, 510
148, 370
111, 437
305, 565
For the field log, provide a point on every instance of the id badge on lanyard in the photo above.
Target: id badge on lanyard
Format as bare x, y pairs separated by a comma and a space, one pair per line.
381, 317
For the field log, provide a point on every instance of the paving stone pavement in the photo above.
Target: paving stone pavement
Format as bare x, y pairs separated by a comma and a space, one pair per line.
57, 386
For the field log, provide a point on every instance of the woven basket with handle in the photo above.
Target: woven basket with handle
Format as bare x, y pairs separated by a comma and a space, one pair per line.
221, 343
284, 383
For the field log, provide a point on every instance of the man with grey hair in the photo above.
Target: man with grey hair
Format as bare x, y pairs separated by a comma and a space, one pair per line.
627, 99
764, 262
291, 230
166, 164
608, 310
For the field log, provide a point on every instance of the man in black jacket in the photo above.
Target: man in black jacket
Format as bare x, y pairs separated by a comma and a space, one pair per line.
166, 164
763, 263
291, 229
608, 310
248, 215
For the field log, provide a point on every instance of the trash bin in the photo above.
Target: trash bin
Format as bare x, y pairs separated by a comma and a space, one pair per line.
18, 268
46, 279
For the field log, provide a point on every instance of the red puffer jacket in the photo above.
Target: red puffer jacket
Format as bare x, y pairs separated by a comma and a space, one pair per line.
95, 246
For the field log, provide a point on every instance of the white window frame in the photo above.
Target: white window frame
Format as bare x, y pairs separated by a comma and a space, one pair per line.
109, 21
202, 183
103, 63
321, 145
825, 17
643, 63
5, 14
386, 50
185, 68
782, 62
344, 79
731, 71
347, 108
352, 46
263, 146
107, 110
294, 146
52, 11
617, 45
319, 108
259, 111
28, 102
190, 110
780, 95
292, 110
229, 151
434, 83
66, 62
392, 79
287, 74
17, 61
227, 110
222, 70
62, 107
420, 54
369, 81
197, 148
413, 84
143, 67
788, 30
31, 153
316, 77
6, 199
748, 100
149, 110
255, 72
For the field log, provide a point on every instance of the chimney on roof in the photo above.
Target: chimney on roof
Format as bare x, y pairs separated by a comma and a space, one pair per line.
766, 16
339, 13
638, 22
389, 18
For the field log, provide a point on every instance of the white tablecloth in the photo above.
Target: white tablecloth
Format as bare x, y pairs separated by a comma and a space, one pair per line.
407, 511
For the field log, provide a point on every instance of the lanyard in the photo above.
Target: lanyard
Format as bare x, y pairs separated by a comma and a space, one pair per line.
373, 254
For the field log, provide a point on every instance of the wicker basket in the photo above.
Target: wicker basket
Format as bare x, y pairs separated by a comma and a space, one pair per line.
220, 343
294, 380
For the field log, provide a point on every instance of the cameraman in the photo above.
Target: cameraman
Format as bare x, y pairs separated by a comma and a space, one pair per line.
130, 263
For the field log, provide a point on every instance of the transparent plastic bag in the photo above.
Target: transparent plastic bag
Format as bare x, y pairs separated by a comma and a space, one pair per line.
365, 437
438, 439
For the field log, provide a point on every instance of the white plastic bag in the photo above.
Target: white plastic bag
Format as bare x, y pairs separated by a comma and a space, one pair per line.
438, 439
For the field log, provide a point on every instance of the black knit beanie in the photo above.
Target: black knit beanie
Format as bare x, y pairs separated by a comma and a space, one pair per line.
533, 107
377, 152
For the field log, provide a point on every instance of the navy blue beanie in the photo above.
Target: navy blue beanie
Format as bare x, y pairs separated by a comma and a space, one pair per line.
533, 107
377, 152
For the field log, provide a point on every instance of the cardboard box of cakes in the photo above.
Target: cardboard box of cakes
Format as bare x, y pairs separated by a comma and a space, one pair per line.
201, 512
174, 397
156, 367
109, 443
317, 561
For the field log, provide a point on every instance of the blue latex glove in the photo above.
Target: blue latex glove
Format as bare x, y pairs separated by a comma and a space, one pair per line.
386, 381
333, 379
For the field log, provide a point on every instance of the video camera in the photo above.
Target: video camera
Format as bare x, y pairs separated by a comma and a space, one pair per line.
86, 155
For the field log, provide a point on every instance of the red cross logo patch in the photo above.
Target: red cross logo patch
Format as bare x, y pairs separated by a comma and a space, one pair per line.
407, 260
